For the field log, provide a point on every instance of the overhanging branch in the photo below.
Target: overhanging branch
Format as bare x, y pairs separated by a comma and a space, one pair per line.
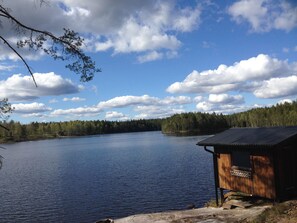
9, 16
20, 56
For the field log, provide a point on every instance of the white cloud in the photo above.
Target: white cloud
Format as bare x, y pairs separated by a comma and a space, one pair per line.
175, 100
287, 19
286, 50
21, 88
115, 115
146, 27
246, 75
283, 101
204, 106
8, 54
277, 87
151, 56
34, 115
222, 103
265, 15
124, 101
135, 37
147, 106
74, 99
122, 26
30, 108
155, 111
198, 98
225, 98
206, 44
129, 100
251, 10
187, 19
53, 101
81, 111
222, 108
4, 67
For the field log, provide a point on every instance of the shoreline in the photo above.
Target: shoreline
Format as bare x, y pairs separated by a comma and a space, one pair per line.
206, 214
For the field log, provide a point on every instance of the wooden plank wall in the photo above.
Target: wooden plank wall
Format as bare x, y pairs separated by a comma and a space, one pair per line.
287, 172
263, 176
261, 182
229, 182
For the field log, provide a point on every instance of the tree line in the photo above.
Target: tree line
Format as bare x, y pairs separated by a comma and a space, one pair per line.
192, 123
45, 130
205, 123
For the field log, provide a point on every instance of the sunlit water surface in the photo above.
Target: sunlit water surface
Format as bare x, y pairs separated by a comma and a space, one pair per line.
89, 178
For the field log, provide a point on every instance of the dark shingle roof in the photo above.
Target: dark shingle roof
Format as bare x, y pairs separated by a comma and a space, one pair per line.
270, 136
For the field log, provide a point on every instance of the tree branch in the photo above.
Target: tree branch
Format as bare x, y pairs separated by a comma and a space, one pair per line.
9, 16
2, 126
64, 47
24, 61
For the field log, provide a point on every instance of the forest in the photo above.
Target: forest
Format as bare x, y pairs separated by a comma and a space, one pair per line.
22, 132
192, 123
204, 123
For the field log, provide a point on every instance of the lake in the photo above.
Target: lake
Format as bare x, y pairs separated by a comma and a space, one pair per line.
85, 179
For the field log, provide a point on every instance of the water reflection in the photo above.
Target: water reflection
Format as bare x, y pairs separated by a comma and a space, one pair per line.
88, 178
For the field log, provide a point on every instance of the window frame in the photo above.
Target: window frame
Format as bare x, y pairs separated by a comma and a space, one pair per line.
241, 160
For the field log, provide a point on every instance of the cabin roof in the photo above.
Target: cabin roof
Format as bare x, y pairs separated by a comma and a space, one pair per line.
252, 137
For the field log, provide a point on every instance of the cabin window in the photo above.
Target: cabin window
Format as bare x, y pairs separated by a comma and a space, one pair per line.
241, 160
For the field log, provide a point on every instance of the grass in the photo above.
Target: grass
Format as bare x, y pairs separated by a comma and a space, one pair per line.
285, 212
212, 203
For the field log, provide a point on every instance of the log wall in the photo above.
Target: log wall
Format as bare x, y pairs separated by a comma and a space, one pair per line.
259, 181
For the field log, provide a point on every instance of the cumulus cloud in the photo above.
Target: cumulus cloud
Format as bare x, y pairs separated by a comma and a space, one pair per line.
155, 111
115, 115
278, 87
146, 31
222, 103
283, 101
122, 26
80, 112
198, 98
21, 88
30, 108
145, 105
246, 75
221, 108
74, 99
225, 98
124, 101
265, 15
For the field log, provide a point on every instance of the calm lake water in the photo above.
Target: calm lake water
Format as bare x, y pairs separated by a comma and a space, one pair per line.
89, 178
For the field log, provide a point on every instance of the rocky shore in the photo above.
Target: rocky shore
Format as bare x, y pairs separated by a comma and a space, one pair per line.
205, 215
233, 211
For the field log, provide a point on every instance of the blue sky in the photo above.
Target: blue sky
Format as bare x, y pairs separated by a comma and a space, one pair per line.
158, 58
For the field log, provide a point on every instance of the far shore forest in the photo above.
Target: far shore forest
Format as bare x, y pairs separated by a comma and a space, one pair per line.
193, 123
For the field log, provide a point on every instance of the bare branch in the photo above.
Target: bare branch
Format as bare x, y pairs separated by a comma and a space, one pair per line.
2, 126
24, 61
65, 47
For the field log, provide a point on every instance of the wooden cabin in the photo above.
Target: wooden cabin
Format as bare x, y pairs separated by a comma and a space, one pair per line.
256, 161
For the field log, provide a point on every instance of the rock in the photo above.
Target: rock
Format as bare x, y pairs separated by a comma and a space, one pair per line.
105, 221
191, 206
